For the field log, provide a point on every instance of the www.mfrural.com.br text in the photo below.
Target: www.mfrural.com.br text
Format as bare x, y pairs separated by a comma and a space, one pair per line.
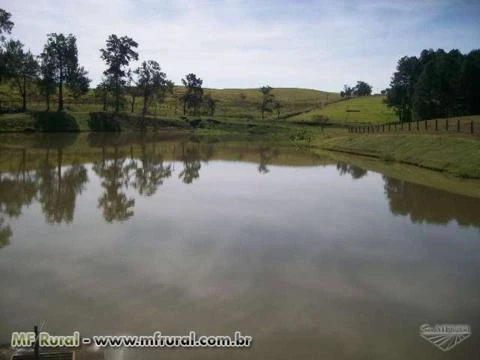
155, 340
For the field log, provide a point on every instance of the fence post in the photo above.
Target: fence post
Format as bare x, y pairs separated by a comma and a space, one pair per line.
409, 126
426, 124
388, 127
458, 125
436, 124
471, 126
418, 126
395, 126
401, 126
446, 124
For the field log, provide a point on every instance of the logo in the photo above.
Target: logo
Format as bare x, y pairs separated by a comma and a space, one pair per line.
445, 336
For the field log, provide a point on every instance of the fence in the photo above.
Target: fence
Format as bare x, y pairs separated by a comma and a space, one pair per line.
466, 125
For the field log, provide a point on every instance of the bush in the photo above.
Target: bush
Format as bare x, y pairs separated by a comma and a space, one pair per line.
58, 121
104, 122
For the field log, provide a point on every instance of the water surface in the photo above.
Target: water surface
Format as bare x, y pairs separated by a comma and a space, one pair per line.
312, 257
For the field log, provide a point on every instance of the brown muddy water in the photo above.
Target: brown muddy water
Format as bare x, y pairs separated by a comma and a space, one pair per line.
313, 258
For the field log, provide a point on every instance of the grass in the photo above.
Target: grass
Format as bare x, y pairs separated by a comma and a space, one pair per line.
237, 115
358, 111
410, 173
452, 125
234, 103
459, 156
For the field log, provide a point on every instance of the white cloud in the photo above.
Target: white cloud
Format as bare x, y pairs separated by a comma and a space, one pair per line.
235, 43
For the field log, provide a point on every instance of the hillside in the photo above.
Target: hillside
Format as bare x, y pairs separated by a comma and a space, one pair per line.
238, 103
362, 110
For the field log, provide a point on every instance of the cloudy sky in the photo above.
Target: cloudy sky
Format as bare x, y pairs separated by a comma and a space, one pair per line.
249, 43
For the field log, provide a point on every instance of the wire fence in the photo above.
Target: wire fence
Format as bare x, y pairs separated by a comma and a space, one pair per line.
466, 125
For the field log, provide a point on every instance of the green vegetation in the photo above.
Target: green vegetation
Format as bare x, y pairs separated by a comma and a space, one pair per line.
358, 111
410, 173
436, 84
459, 156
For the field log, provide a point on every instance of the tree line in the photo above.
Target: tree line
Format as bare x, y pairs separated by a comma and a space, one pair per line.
436, 84
57, 67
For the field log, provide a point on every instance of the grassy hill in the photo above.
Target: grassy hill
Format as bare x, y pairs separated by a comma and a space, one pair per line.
235, 103
363, 110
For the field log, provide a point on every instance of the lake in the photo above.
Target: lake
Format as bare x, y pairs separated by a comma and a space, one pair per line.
311, 256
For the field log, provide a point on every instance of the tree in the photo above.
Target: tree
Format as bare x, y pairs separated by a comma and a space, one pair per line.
102, 91
362, 89
80, 83
470, 81
210, 103
438, 91
267, 99
402, 86
20, 67
194, 92
6, 25
132, 89
277, 106
347, 91
152, 83
62, 54
46, 82
117, 55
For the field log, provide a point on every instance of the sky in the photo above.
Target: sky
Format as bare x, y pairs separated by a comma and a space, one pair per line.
246, 44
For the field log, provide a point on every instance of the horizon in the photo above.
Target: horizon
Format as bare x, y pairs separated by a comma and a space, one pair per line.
237, 45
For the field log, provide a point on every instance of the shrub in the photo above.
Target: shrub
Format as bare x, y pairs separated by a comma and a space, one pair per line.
104, 122
58, 121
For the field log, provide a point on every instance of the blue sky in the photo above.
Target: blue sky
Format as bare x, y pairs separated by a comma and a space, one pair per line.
234, 43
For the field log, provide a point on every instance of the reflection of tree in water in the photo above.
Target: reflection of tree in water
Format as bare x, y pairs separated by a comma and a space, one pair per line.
427, 204
17, 189
354, 171
150, 172
58, 188
191, 164
113, 201
266, 155
5, 233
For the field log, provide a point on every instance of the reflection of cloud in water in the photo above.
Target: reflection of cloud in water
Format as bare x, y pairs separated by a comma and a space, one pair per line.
306, 261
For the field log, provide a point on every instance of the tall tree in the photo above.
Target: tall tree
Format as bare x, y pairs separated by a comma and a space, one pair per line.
62, 52
102, 91
80, 83
267, 100
194, 93
132, 89
6, 25
152, 83
20, 67
402, 86
470, 81
118, 53
438, 91
46, 82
